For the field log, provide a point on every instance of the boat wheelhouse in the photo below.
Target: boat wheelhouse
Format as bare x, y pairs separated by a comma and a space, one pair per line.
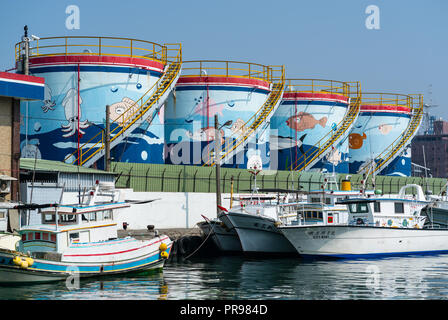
80, 239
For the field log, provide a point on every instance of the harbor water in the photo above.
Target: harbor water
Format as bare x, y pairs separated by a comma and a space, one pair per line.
243, 278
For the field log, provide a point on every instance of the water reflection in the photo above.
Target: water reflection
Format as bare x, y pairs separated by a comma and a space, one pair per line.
239, 278
236, 277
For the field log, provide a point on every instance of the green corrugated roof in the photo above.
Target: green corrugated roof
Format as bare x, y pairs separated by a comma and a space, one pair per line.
55, 166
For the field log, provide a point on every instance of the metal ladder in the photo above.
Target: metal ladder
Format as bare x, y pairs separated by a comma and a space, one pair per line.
255, 123
398, 145
323, 146
143, 109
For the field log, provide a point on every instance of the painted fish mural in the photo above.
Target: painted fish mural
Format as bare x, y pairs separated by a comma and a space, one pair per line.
356, 140
239, 127
204, 109
304, 120
204, 134
279, 143
385, 128
119, 111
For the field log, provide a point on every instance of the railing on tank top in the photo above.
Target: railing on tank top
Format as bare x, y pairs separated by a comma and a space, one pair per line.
96, 46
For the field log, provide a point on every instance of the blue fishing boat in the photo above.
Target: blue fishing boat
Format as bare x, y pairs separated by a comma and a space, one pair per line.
79, 240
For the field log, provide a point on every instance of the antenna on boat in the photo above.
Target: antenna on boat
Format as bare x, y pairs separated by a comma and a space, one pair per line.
426, 170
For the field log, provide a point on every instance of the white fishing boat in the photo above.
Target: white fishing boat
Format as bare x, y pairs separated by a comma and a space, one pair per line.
256, 226
257, 222
79, 240
225, 239
377, 226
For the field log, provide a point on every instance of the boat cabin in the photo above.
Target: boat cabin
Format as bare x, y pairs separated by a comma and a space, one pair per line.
64, 225
402, 211
319, 208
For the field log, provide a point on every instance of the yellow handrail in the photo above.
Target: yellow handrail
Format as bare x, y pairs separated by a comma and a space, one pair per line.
386, 99
54, 46
415, 103
317, 86
276, 73
222, 68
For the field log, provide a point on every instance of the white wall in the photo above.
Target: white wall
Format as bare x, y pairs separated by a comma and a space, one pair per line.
173, 210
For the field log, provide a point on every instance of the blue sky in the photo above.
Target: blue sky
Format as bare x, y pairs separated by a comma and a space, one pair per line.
314, 39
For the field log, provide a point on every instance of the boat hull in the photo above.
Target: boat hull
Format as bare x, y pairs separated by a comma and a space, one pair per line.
257, 234
361, 241
144, 258
225, 239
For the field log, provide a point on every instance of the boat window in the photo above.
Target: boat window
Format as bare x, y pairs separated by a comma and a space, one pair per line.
49, 218
74, 237
399, 207
24, 237
67, 218
320, 215
358, 208
376, 207
53, 237
327, 200
37, 236
315, 200
45, 236
2, 215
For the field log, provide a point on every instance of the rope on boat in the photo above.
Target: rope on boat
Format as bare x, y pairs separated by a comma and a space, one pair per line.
210, 232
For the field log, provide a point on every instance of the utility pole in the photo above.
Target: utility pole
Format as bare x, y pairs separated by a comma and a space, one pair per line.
217, 165
26, 58
107, 139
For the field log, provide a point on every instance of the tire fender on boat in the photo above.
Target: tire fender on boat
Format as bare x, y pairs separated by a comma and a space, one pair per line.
163, 247
30, 261
17, 260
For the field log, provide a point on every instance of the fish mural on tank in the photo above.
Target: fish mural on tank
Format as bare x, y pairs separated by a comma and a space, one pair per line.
382, 120
356, 140
190, 116
301, 124
303, 121
60, 119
